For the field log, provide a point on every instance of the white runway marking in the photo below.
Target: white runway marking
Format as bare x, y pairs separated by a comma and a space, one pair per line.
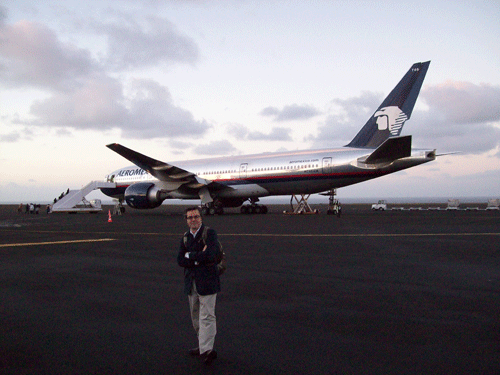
296, 234
54, 242
458, 234
363, 235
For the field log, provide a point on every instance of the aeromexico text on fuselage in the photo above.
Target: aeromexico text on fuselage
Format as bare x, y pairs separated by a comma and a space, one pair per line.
131, 172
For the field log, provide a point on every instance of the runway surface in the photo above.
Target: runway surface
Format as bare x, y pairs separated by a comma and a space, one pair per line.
399, 292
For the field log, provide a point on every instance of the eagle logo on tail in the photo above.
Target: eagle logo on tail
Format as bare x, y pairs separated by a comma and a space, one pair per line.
391, 118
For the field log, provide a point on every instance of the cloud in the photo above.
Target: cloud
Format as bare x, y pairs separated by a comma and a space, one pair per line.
222, 147
152, 114
431, 131
135, 45
178, 145
345, 119
96, 103
82, 93
32, 56
10, 138
462, 116
291, 112
100, 104
464, 102
19, 134
3, 14
238, 131
276, 134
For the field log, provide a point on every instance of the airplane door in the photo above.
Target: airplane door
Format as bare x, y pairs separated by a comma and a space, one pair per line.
327, 165
243, 170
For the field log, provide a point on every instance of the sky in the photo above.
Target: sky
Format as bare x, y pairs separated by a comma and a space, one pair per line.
187, 79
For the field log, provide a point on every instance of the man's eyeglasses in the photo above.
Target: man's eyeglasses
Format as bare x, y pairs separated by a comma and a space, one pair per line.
193, 217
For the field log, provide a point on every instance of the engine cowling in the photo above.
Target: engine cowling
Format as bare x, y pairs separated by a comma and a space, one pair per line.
143, 195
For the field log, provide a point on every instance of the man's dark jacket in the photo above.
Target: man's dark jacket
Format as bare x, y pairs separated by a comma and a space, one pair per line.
201, 265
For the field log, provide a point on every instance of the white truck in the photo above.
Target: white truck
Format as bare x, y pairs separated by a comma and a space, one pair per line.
380, 206
493, 204
453, 204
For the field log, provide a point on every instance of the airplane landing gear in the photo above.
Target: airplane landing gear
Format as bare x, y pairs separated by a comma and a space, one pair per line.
334, 207
212, 208
253, 207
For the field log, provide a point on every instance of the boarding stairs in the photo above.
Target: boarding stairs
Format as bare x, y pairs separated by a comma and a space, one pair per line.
74, 200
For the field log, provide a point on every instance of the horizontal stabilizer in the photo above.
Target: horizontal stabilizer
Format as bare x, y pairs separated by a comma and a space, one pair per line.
391, 149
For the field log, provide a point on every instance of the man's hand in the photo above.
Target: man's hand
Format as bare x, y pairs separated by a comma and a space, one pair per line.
187, 257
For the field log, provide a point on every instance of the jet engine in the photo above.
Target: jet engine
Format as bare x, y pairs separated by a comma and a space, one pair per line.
143, 195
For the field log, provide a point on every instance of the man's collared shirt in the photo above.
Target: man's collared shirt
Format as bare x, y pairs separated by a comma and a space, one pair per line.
195, 233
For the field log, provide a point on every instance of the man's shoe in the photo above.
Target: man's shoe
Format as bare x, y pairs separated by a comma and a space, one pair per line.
194, 352
209, 356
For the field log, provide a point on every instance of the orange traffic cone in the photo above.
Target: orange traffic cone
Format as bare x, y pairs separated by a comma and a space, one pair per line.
109, 217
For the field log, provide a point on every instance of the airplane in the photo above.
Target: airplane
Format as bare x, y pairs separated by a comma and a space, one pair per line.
377, 150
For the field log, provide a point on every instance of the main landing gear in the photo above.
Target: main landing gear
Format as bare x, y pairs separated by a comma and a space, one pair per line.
212, 208
216, 208
253, 208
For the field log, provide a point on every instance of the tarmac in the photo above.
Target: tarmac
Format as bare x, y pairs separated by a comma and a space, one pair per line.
395, 292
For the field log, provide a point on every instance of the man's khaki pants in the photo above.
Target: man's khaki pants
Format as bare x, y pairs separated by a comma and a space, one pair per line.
203, 317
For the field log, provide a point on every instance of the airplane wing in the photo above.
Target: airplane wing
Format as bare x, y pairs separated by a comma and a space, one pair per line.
162, 171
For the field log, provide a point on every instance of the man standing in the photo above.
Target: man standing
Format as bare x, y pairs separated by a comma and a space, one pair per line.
197, 254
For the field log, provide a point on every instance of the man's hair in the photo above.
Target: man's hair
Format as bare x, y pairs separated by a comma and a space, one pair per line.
194, 208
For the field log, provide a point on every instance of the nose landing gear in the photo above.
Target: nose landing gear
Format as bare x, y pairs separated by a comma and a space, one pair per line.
334, 207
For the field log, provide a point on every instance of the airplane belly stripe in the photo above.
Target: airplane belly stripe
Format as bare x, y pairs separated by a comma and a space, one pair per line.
285, 178
265, 179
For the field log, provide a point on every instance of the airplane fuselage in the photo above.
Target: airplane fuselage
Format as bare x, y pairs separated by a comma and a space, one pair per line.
284, 173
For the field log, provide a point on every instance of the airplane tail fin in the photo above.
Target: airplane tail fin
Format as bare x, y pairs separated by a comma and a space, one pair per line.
389, 118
